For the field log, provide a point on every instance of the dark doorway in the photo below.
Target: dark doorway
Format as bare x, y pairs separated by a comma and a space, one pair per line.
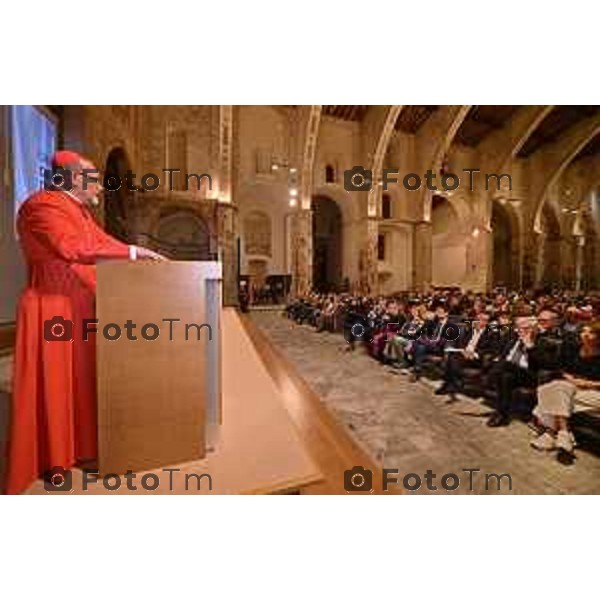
327, 244
505, 262
551, 256
116, 200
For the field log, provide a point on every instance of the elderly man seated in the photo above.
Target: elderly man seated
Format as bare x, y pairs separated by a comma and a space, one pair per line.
512, 371
475, 349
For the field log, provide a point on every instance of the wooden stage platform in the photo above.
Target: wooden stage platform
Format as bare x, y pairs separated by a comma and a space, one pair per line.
277, 436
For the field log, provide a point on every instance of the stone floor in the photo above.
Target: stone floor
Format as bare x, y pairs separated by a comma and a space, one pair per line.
405, 426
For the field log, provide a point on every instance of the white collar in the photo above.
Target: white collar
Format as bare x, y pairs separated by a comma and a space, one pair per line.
68, 193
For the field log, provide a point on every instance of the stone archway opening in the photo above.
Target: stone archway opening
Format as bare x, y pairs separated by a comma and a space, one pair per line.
116, 200
590, 272
327, 244
550, 263
505, 267
448, 247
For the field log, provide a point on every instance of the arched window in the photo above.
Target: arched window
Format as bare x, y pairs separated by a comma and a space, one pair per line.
116, 193
329, 174
386, 207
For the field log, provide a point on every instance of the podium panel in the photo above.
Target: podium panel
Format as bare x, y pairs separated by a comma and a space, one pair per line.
153, 393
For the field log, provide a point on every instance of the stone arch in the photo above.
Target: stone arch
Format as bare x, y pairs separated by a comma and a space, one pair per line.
448, 242
549, 164
590, 259
182, 234
435, 139
352, 223
309, 150
386, 121
348, 203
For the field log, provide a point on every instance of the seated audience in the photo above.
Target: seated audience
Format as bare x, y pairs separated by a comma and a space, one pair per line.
554, 356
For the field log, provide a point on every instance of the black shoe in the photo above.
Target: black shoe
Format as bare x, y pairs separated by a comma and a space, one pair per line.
565, 457
498, 420
445, 389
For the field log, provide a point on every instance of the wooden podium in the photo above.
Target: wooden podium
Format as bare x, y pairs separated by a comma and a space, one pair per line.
159, 394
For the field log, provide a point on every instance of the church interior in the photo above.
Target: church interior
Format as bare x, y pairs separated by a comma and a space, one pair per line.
302, 252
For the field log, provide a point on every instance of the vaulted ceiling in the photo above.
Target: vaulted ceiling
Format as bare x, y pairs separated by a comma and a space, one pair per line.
481, 121
412, 118
592, 148
556, 123
346, 112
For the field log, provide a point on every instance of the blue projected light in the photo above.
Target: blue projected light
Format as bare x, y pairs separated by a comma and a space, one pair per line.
34, 138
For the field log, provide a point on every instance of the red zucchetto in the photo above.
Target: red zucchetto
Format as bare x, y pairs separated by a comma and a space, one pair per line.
65, 158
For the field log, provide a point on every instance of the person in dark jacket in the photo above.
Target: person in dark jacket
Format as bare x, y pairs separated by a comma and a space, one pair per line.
512, 370
476, 348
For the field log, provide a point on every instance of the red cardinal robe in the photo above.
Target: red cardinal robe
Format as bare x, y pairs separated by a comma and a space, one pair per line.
53, 417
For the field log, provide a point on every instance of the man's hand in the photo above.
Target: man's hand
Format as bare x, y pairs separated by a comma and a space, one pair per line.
146, 254
527, 337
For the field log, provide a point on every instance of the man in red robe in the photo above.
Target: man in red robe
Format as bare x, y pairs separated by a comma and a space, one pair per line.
53, 419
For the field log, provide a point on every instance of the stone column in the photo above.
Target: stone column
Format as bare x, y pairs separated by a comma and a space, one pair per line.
568, 252
422, 256
302, 251
367, 267
533, 259
580, 244
227, 248
480, 251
